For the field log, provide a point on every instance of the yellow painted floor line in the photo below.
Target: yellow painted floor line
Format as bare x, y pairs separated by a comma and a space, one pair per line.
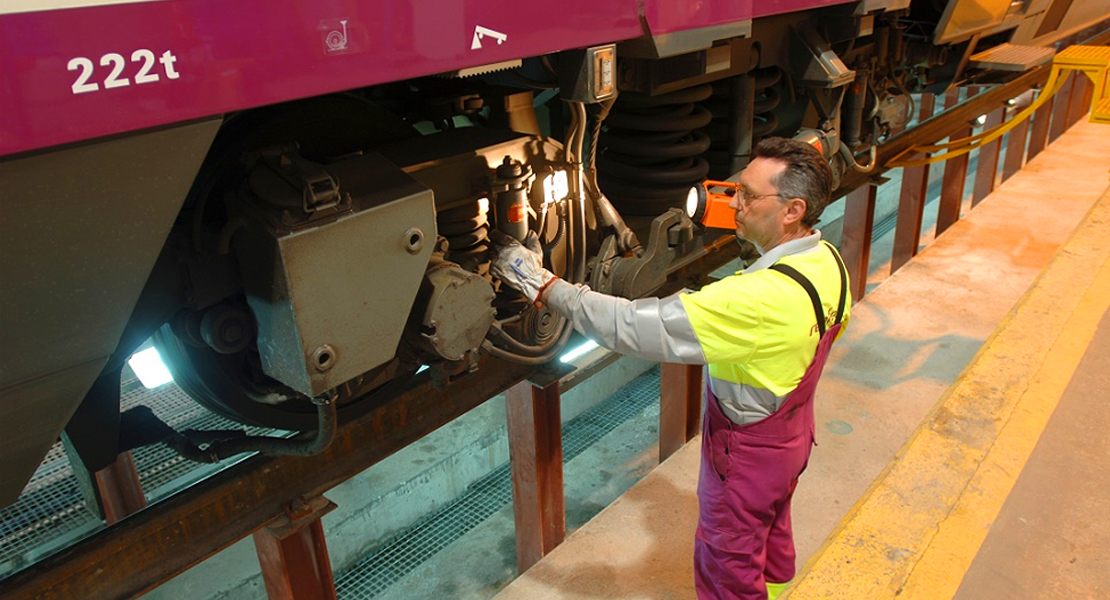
941, 569
919, 526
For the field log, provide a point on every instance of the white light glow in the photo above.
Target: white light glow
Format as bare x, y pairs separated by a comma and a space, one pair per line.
982, 120
149, 368
556, 186
578, 352
692, 202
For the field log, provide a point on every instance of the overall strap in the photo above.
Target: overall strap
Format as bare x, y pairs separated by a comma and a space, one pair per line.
807, 285
843, 281
793, 273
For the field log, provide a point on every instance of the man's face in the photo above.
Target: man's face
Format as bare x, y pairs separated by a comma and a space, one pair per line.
759, 206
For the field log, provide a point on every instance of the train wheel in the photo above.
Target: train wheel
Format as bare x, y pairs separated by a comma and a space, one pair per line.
222, 373
233, 385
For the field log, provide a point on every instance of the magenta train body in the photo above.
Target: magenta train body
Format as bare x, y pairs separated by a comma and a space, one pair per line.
235, 182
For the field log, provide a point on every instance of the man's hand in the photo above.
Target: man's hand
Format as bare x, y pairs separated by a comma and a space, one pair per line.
520, 267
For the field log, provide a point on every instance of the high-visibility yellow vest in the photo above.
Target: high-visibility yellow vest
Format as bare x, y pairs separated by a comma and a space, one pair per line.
758, 328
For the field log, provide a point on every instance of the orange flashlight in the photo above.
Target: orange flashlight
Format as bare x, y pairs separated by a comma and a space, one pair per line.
710, 208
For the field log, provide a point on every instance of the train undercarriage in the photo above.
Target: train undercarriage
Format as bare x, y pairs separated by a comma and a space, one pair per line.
314, 252
331, 245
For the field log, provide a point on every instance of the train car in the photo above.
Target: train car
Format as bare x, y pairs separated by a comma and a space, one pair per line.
293, 200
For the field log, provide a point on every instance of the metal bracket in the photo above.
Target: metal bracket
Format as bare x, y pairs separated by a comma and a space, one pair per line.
319, 189
818, 66
634, 277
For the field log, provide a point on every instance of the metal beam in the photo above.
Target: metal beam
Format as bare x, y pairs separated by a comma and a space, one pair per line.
1080, 99
1015, 150
911, 214
1038, 131
859, 222
986, 170
955, 174
1062, 106
293, 554
536, 461
679, 406
119, 488
911, 201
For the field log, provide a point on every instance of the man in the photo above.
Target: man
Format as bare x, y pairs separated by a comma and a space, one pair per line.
764, 335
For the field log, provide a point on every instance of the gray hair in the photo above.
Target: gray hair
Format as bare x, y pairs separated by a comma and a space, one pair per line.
807, 174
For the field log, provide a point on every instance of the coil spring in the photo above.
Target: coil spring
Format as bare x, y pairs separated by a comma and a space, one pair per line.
466, 228
650, 150
719, 152
767, 99
723, 131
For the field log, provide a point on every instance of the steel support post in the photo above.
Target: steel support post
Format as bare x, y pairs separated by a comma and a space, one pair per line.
119, 490
294, 555
1015, 150
911, 202
1080, 99
112, 492
679, 406
859, 221
1038, 130
986, 172
1088, 96
1060, 108
955, 174
911, 211
536, 461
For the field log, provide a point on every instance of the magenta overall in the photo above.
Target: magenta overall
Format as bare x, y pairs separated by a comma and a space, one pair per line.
748, 474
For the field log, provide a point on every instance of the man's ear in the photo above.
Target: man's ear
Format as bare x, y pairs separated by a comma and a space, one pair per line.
795, 210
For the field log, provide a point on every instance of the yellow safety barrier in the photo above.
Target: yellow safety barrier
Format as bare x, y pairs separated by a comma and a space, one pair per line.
1092, 61
1101, 113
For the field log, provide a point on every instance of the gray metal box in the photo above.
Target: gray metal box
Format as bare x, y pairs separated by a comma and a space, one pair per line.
331, 301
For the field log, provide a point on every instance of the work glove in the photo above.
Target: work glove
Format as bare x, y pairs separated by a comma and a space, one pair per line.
519, 266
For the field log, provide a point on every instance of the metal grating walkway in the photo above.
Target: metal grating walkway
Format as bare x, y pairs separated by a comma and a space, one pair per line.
48, 515
51, 513
406, 551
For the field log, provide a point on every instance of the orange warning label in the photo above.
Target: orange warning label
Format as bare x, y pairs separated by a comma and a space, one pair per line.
516, 213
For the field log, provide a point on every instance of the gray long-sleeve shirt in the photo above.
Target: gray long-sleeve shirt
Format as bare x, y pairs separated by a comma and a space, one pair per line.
750, 387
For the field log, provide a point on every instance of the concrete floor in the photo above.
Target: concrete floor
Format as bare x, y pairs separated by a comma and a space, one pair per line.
1051, 537
910, 339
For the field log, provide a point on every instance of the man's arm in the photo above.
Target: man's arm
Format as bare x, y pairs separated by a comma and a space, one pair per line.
653, 328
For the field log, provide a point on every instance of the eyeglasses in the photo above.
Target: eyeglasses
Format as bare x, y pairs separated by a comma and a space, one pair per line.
748, 199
